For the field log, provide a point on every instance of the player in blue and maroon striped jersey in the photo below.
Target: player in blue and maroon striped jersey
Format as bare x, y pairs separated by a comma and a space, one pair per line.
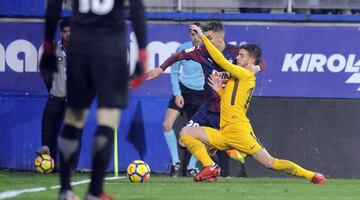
209, 112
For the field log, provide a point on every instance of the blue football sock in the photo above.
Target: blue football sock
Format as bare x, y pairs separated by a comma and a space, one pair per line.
192, 163
172, 144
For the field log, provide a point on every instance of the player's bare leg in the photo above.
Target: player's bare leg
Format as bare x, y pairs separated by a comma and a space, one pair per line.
264, 158
69, 145
170, 138
196, 132
194, 139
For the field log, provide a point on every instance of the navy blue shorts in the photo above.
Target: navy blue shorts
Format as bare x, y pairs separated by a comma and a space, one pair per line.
192, 100
203, 117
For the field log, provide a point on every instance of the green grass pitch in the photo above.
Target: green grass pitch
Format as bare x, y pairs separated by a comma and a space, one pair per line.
161, 187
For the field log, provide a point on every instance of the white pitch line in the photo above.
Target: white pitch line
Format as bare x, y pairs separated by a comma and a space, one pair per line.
72, 184
15, 193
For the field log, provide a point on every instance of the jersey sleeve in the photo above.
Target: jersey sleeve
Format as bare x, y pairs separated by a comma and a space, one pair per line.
171, 60
195, 53
137, 17
52, 16
235, 70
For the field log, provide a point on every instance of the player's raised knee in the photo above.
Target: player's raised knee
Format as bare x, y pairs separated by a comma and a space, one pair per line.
184, 131
184, 140
181, 143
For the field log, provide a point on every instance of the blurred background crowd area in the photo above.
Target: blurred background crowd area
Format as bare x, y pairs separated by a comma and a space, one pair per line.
256, 6
19, 8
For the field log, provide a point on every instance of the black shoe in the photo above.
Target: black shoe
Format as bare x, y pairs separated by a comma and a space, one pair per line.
192, 172
175, 170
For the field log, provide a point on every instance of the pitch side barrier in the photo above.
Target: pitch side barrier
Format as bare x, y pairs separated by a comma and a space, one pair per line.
245, 17
307, 99
311, 60
206, 16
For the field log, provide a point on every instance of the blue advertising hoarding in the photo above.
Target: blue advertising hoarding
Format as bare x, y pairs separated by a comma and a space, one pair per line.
302, 61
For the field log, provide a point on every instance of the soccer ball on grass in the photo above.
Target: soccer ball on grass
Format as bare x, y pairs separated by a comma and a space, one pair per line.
44, 164
138, 171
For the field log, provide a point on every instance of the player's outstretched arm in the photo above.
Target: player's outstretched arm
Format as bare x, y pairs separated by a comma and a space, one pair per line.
153, 74
235, 70
167, 63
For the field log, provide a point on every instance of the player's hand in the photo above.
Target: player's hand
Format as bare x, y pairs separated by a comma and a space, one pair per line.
153, 74
196, 29
48, 64
140, 69
215, 83
179, 100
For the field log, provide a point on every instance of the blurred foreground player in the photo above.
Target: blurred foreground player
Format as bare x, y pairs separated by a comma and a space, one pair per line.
97, 68
235, 129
